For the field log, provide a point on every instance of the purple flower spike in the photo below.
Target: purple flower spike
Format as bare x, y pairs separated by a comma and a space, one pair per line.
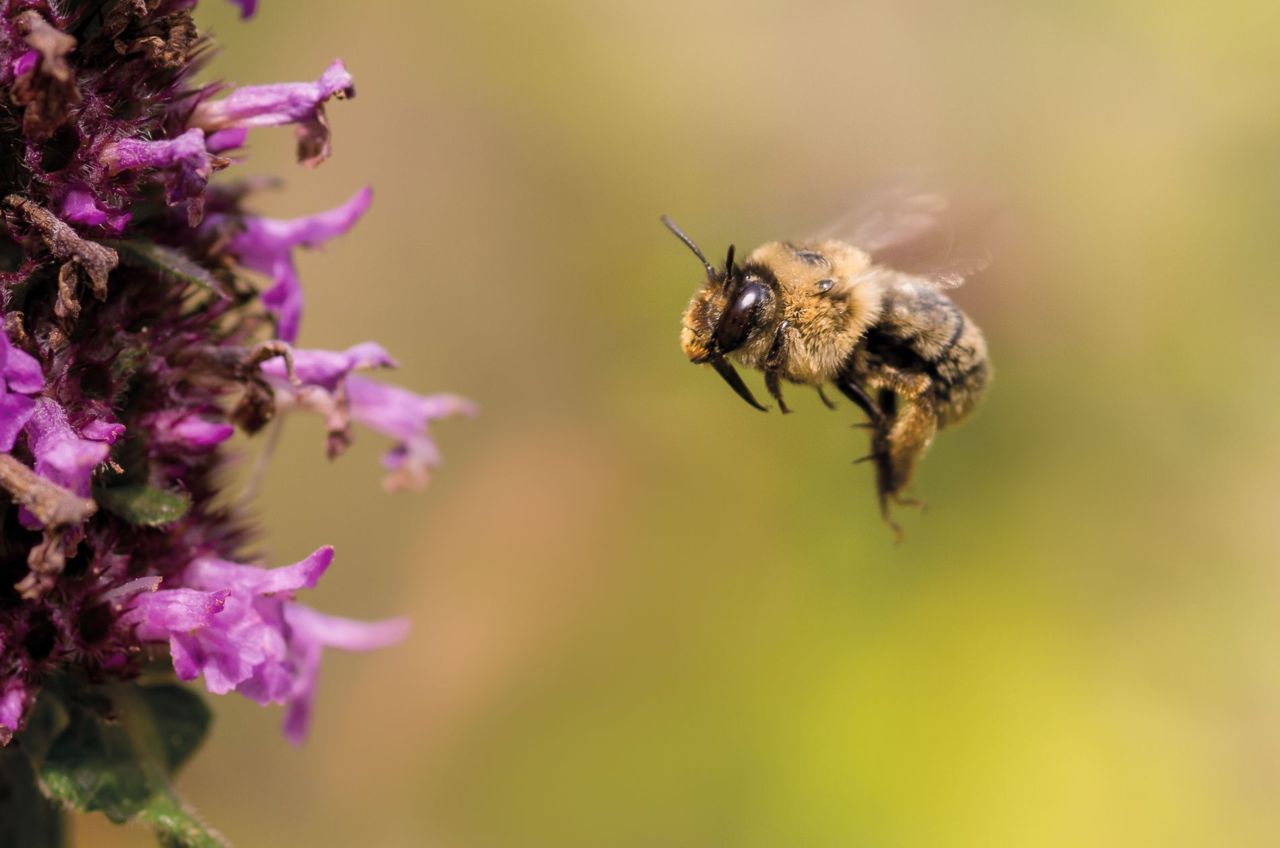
266, 245
274, 105
187, 161
131, 350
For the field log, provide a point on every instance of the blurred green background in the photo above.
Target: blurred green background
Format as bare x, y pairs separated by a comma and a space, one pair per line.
647, 616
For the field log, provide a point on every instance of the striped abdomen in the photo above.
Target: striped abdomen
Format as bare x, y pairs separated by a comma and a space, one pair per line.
921, 332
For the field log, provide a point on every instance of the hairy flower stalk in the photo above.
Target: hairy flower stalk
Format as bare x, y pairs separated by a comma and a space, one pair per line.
132, 349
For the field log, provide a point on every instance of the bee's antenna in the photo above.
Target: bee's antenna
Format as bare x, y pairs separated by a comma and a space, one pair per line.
689, 243
728, 263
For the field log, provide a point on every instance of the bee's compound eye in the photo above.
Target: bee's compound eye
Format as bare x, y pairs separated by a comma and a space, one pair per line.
737, 320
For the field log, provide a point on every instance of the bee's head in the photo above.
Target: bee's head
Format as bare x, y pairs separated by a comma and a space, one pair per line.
723, 314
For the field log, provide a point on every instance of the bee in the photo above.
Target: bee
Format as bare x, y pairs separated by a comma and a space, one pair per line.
825, 311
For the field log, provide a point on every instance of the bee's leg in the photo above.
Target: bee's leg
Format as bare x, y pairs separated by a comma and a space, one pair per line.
773, 382
885, 497
830, 404
898, 535
777, 355
850, 389
773, 363
914, 502
909, 384
896, 449
886, 494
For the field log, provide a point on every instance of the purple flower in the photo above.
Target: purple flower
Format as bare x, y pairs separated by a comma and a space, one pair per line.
325, 369
79, 206
15, 698
266, 245
316, 380
228, 139
25, 63
300, 103
187, 161
247, 7
63, 455
187, 429
239, 627
311, 633
159, 615
321, 381
404, 416
21, 378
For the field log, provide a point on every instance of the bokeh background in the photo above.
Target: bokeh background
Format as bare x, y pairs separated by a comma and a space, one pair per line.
647, 616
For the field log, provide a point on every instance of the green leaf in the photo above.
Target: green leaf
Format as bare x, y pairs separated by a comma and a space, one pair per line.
94, 766
166, 261
181, 718
27, 818
143, 505
47, 720
114, 750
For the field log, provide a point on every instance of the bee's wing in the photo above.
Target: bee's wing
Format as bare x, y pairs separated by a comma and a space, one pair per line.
948, 274
920, 232
887, 217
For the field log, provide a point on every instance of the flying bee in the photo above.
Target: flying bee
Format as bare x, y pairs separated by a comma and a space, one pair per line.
826, 311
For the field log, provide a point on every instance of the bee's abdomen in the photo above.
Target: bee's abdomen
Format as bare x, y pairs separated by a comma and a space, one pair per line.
961, 373
923, 331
